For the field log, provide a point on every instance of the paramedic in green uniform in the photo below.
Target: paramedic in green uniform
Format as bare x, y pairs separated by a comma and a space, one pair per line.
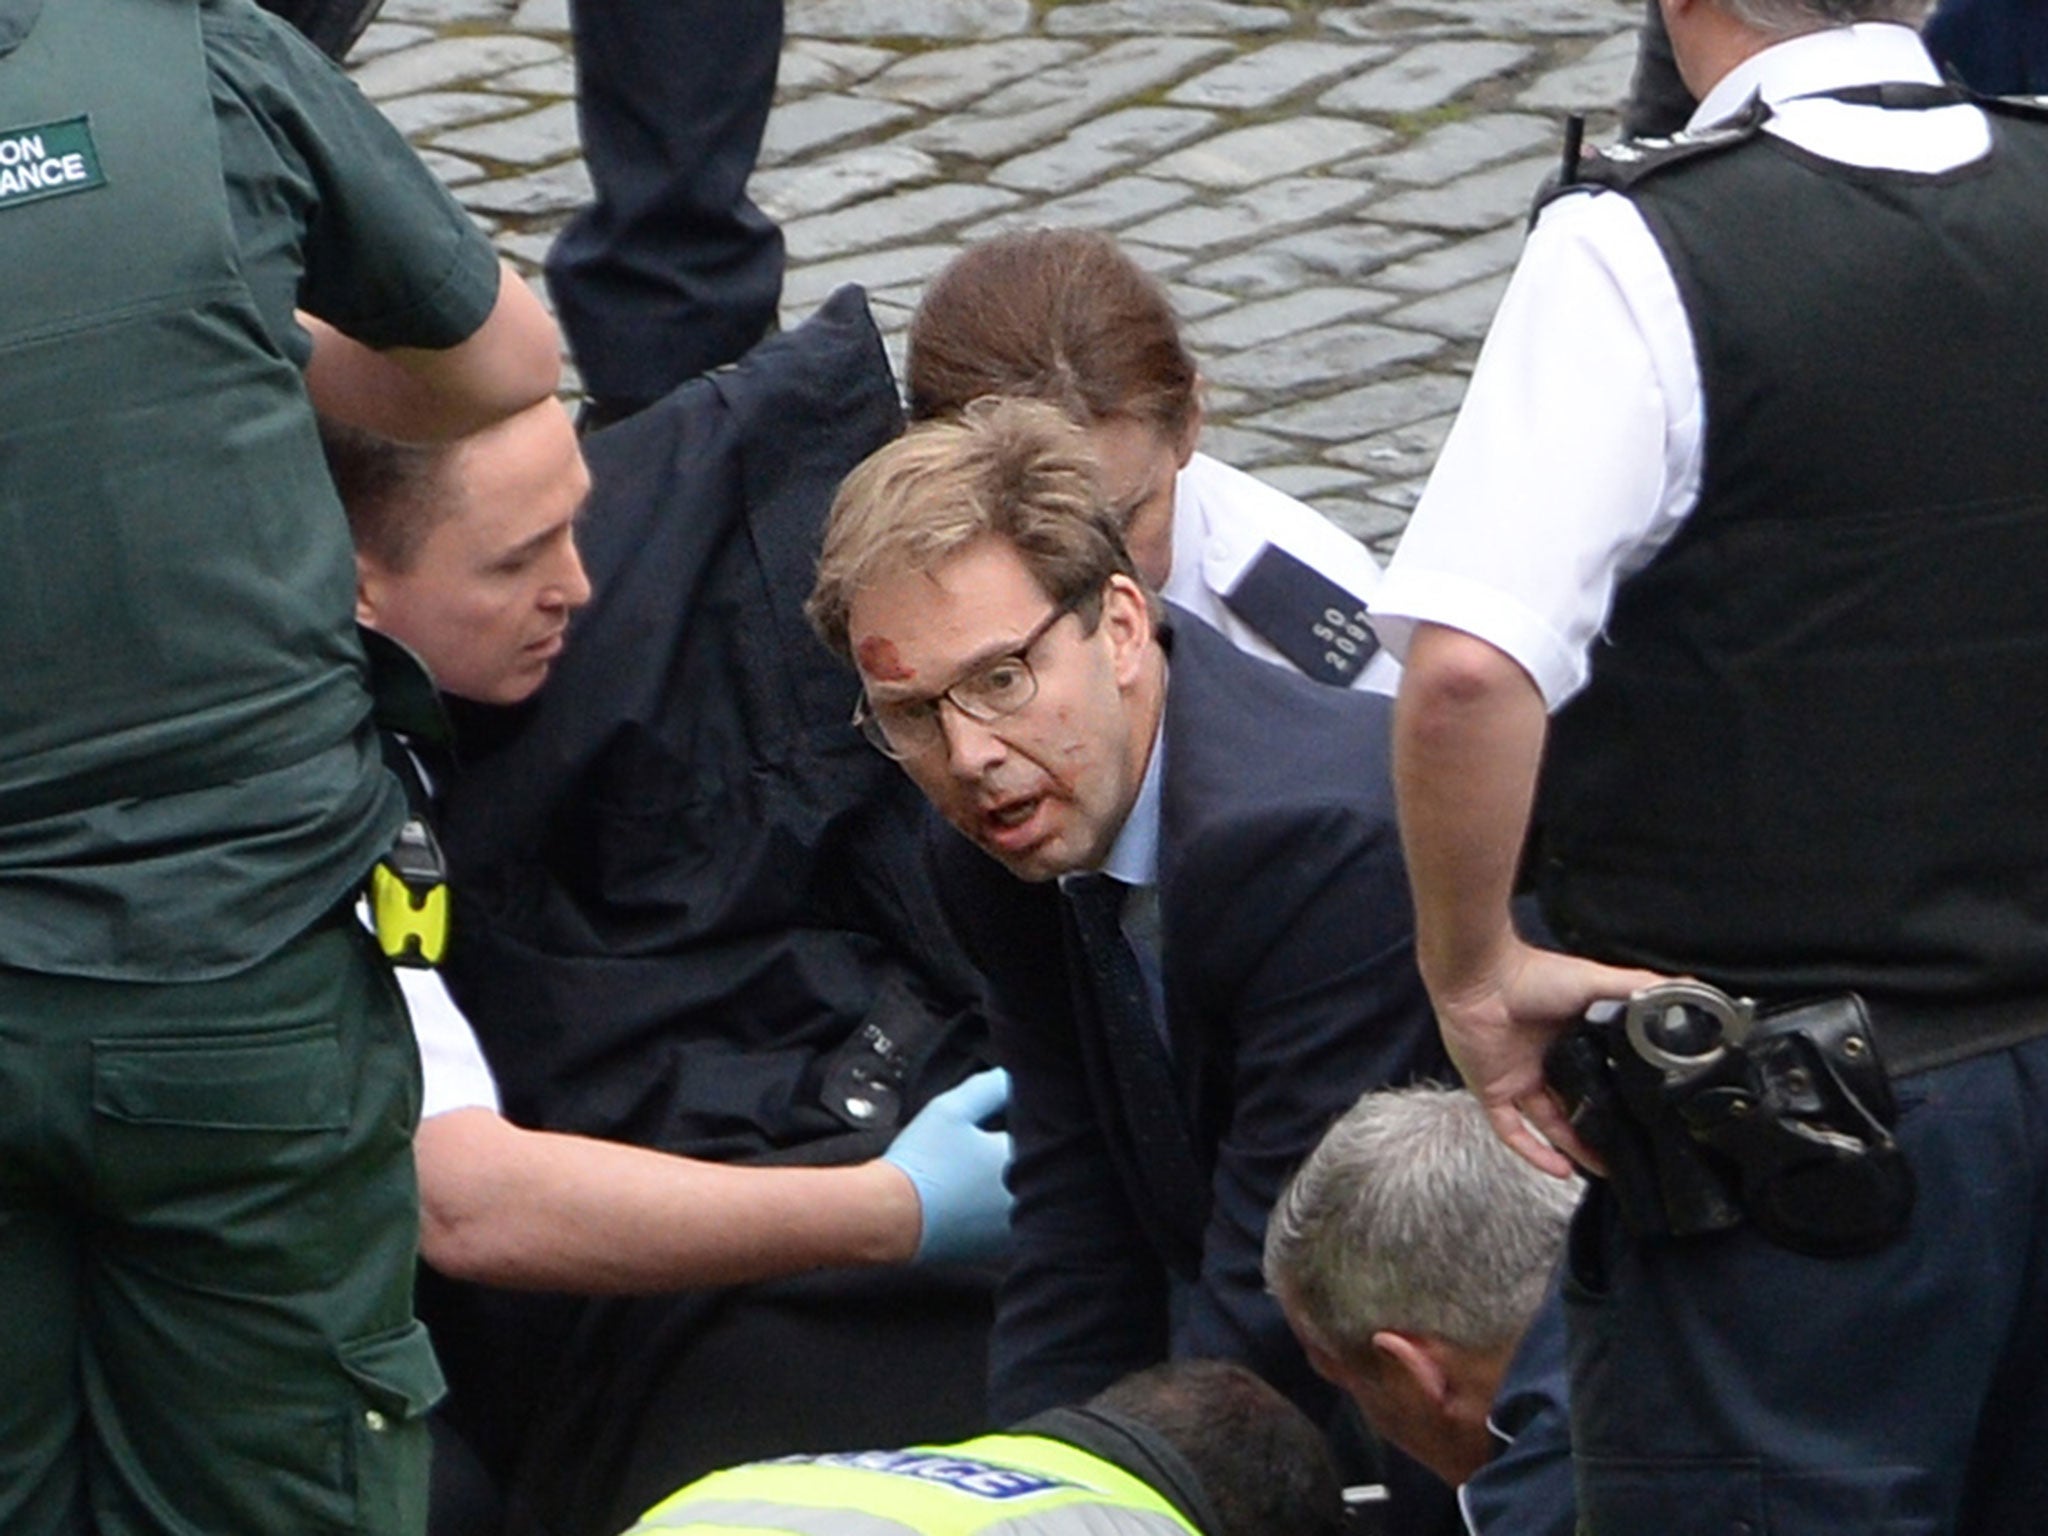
207, 1214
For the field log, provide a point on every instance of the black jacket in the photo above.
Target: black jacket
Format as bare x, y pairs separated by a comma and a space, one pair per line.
690, 911
689, 905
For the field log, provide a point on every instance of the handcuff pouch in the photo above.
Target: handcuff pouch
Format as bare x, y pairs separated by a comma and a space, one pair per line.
1801, 1113
1789, 1127
1664, 1183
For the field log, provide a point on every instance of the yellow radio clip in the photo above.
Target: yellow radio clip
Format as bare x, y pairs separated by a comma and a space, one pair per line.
409, 899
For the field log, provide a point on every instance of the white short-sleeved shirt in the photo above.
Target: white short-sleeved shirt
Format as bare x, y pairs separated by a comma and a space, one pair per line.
1223, 519
453, 1072
452, 1064
1577, 452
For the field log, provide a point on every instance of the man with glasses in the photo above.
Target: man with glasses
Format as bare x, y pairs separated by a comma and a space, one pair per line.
1184, 844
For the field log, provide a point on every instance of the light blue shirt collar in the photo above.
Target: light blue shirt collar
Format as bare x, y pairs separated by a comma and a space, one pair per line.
1134, 856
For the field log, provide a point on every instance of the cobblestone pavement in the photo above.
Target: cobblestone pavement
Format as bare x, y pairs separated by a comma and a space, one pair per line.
1333, 193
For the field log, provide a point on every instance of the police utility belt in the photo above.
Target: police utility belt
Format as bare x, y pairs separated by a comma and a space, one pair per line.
1708, 1113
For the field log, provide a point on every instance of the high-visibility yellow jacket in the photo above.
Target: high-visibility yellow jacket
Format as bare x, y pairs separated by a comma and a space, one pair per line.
997, 1485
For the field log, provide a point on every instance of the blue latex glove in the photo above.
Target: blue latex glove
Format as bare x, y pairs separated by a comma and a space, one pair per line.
956, 1168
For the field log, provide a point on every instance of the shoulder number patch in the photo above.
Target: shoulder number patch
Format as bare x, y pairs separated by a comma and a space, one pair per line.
1305, 616
48, 160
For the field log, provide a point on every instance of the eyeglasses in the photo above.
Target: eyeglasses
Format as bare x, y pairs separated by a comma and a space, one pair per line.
908, 728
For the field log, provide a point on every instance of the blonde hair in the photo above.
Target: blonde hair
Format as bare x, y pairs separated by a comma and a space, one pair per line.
1017, 470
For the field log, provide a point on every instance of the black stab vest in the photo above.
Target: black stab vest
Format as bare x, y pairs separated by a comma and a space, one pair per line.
1814, 750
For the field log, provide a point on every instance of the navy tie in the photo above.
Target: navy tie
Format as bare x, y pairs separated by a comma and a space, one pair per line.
1137, 1055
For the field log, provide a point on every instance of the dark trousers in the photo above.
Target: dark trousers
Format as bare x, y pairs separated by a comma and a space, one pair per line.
1722, 1384
671, 271
207, 1223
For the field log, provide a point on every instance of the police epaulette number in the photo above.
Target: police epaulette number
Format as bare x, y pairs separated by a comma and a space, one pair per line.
1305, 616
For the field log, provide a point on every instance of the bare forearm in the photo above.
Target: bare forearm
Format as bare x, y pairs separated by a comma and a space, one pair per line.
1468, 736
536, 1210
416, 395
1468, 741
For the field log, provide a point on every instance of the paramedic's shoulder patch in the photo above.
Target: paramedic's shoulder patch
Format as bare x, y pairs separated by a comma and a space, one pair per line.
48, 160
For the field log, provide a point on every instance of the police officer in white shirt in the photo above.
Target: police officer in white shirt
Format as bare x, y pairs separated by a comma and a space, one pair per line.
1727, 581
1064, 315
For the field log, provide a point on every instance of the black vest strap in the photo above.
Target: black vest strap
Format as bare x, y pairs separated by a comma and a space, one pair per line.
1619, 167
1893, 96
1917, 96
1622, 165
1137, 1448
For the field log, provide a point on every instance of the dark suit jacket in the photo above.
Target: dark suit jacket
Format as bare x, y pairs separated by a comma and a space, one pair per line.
1290, 988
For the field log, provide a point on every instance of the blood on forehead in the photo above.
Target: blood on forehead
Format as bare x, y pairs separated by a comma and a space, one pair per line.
880, 660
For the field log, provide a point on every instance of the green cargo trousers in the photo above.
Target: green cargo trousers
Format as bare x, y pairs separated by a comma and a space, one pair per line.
208, 1220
